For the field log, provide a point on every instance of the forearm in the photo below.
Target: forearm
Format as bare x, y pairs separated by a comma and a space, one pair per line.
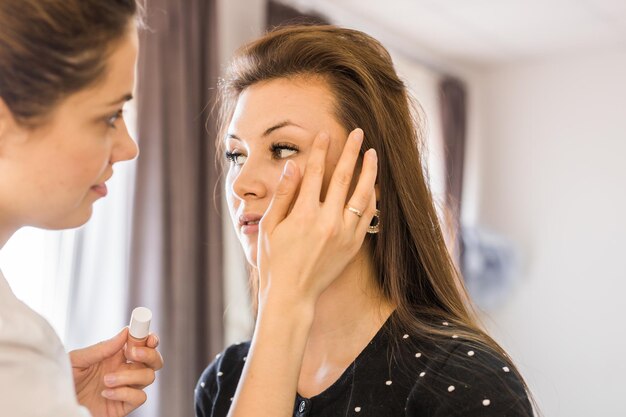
269, 380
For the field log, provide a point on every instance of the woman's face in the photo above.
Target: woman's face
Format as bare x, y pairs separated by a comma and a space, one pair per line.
52, 174
274, 121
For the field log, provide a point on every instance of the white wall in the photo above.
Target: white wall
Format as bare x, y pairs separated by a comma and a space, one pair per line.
553, 178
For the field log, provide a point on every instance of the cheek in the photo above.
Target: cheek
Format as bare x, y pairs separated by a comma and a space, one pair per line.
231, 200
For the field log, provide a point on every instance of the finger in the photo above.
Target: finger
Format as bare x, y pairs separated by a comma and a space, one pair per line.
132, 396
342, 177
366, 220
313, 176
147, 356
365, 188
283, 197
153, 341
100, 351
133, 378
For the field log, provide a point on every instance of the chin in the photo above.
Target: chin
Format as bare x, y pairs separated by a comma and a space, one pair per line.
71, 221
250, 252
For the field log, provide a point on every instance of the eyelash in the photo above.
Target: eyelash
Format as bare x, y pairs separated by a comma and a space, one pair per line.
110, 121
275, 149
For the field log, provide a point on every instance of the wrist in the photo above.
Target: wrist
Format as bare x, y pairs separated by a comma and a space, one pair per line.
289, 308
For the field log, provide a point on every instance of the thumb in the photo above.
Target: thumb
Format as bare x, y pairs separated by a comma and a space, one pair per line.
100, 351
283, 197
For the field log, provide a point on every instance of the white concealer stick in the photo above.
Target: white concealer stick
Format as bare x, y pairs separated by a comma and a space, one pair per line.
139, 328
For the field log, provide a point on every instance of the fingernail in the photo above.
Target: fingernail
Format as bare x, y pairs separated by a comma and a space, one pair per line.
358, 134
109, 379
138, 353
288, 169
108, 393
372, 154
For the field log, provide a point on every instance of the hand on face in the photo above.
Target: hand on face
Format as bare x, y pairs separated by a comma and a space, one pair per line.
106, 383
301, 252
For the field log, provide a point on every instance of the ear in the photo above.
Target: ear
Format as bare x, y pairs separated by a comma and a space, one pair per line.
6, 119
8, 124
3, 116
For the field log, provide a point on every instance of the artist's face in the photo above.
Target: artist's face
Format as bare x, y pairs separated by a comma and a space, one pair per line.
274, 121
52, 174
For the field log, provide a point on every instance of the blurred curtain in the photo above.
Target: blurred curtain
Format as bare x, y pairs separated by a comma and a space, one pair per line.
454, 124
176, 249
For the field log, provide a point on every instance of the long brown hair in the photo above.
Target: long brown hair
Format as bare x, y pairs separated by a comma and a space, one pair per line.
50, 49
414, 268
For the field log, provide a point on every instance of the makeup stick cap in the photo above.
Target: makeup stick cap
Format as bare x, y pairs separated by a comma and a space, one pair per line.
140, 322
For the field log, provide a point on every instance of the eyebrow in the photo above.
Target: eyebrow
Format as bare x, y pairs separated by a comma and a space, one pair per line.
269, 130
126, 97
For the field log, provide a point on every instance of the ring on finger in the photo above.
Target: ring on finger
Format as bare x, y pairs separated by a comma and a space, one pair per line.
355, 211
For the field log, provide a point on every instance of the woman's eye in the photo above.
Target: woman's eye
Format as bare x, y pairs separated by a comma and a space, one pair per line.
235, 157
281, 151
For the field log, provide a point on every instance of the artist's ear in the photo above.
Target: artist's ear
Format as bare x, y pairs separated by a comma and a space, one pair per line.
9, 126
7, 120
3, 116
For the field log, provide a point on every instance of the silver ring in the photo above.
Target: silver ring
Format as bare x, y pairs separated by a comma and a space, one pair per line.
355, 211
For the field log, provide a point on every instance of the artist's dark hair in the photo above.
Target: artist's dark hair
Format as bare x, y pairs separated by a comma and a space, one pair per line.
50, 49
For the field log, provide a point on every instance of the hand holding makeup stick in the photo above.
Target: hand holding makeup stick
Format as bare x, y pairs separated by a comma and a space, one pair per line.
110, 376
300, 253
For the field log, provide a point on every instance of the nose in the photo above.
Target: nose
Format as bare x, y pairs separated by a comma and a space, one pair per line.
248, 182
124, 148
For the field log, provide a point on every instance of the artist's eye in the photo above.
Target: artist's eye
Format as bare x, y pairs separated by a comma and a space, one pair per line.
112, 119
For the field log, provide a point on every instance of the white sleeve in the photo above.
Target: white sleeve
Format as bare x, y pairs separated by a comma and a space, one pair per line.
35, 374
32, 385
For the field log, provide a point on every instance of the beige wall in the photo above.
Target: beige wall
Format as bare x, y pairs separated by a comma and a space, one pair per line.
553, 178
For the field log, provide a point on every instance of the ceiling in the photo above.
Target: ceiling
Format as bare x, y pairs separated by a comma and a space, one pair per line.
482, 32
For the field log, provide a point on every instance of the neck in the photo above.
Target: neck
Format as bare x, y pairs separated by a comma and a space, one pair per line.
347, 315
6, 232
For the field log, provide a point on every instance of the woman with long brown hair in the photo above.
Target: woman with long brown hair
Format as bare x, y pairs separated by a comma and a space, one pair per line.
66, 69
382, 328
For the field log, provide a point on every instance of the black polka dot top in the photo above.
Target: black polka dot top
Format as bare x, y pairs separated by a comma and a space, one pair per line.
393, 376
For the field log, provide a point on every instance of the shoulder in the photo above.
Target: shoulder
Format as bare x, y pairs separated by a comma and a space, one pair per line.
33, 363
466, 379
220, 377
24, 333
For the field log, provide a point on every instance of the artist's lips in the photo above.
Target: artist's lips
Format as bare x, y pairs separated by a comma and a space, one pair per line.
249, 223
100, 189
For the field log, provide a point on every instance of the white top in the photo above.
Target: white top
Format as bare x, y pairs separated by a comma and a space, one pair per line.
35, 373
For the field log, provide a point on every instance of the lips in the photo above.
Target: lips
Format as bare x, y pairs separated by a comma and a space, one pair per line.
249, 223
100, 189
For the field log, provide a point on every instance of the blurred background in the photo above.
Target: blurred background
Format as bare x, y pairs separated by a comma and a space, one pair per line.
525, 121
